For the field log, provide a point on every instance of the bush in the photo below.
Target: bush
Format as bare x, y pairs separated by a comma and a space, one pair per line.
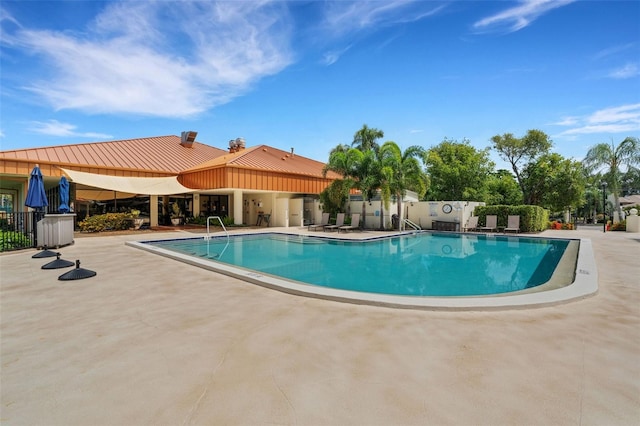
620, 226
532, 218
106, 222
10, 240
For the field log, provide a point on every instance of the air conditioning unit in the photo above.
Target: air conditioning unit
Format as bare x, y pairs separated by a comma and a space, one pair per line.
187, 138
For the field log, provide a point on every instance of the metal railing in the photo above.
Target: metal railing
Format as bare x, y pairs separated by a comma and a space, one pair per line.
18, 230
411, 224
208, 236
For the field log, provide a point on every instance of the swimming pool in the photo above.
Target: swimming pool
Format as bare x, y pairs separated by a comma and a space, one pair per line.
413, 267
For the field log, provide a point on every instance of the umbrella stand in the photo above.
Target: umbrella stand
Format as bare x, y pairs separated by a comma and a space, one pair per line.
44, 253
77, 274
58, 263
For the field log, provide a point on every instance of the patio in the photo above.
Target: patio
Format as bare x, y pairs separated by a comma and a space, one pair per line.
154, 341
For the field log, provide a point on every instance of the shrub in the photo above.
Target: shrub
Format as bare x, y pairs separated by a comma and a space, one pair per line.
619, 226
106, 222
10, 240
532, 218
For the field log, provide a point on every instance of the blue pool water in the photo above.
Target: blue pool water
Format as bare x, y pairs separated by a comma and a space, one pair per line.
412, 265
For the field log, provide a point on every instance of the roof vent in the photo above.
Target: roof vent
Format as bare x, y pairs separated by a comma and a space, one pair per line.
187, 138
236, 145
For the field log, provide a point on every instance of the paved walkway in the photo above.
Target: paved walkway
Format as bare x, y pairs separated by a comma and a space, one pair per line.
153, 341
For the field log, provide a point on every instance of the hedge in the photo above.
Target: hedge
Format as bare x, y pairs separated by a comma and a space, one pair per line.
106, 222
532, 218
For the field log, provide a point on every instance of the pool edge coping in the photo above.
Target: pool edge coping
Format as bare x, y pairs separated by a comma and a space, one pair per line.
585, 284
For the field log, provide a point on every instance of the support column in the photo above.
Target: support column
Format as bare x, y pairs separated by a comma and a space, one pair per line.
237, 207
153, 210
196, 205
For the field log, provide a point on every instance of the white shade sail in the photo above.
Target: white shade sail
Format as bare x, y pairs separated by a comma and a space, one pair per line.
131, 185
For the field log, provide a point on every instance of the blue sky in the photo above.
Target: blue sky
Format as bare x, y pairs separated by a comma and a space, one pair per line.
308, 74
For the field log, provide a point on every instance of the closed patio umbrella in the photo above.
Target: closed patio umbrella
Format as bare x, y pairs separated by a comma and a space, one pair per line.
64, 195
36, 196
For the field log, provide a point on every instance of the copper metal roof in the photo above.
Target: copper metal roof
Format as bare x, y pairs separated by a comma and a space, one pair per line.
267, 158
161, 154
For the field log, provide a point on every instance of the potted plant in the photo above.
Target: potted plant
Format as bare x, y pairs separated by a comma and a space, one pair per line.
175, 214
137, 220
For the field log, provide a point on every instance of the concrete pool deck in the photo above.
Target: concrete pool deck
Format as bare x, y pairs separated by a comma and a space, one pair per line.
153, 341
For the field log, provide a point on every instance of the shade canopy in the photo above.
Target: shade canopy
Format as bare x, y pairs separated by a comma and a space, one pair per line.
36, 195
131, 185
64, 195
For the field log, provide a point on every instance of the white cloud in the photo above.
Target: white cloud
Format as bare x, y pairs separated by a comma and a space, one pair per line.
628, 71
343, 17
130, 60
56, 128
330, 58
518, 17
611, 51
620, 119
567, 121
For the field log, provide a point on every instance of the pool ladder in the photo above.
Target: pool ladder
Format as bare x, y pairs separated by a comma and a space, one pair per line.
208, 236
411, 225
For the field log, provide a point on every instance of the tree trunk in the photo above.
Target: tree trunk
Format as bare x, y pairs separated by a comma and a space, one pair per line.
399, 200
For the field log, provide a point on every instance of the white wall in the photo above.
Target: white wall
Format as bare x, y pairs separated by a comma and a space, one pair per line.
424, 213
372, 213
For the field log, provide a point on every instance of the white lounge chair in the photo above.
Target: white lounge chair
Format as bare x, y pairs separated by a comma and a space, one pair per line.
339, 223
355, 223
513, 224
322, 224
491, 223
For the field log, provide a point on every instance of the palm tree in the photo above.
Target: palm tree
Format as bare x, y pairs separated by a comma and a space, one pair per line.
359, 169
611, 158
402, 172
365, 138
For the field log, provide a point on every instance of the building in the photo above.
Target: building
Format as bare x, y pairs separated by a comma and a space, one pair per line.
151, 174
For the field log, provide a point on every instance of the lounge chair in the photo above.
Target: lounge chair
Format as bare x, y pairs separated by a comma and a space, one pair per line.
355, 223
491, 223
513, 224
472, 224
325, 222
339, 223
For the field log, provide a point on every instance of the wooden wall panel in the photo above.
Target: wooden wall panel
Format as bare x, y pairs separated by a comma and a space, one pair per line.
232, 177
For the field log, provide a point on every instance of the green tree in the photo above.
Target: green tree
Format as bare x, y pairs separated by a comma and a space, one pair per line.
359, 168
630, 182
520, 152
458, 171
402, 171
366, 138
503, 189
609, 159
554, 182
335, 196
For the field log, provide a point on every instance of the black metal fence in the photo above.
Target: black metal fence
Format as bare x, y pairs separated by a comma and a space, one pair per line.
18, 230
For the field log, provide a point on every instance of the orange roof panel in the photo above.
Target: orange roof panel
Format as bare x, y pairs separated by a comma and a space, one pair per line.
158, 154
264, 157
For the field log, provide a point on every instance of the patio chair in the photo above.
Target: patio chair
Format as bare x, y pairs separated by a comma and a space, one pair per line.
513, 224
339, 223
472, 224
355, 223
491, 223
322, 224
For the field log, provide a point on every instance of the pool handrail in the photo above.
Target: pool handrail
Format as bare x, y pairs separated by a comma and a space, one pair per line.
412, 224
208, 236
